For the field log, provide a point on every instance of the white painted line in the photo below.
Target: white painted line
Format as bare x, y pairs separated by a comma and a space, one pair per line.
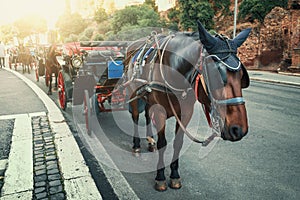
79, 188
3, 117
18, 196
19, 172
64, 136
119, 184
3, 164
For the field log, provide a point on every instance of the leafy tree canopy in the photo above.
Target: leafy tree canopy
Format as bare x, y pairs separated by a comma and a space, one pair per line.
152, 4
100, 15
68, 24
30, 24
220, 6
258, 9
140, 15
193, 10
7, 32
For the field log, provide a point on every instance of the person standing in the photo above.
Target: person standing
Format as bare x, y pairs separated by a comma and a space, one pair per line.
2, 54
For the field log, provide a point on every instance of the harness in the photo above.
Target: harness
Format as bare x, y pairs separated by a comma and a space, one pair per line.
199, 77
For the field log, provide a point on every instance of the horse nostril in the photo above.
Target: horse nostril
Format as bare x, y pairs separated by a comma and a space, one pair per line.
236, 132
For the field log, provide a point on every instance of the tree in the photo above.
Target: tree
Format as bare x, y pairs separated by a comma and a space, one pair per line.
137, 16
152, 4
7, 32
100, 15
174, 18
193, 10
68, 24
220, 6
30, 24
258, 9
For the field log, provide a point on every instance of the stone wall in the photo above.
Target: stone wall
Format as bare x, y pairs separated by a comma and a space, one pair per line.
295, 39
268, 45
273, 44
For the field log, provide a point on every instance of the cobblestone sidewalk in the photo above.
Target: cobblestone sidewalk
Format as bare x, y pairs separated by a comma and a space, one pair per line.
48, 181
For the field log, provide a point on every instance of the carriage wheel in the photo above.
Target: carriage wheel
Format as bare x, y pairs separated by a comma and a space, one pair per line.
62, 95
87, 111
47, 78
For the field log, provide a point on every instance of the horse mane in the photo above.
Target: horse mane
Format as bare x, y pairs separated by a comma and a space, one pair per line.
194, 35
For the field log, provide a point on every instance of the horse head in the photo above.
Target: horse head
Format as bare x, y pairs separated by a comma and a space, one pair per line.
225, 77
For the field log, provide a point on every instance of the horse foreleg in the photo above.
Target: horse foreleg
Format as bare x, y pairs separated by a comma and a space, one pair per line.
50, 84
149, 133
136, 138
175, 182
160, 122
56, 76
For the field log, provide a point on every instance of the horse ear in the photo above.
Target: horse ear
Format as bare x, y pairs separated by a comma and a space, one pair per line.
241, 37
205, 37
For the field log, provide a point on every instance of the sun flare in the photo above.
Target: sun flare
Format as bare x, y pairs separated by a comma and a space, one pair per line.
13, 10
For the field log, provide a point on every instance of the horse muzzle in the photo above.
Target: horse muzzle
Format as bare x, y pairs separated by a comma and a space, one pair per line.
233, 133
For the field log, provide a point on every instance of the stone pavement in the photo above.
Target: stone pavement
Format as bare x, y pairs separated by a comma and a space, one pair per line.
44, 161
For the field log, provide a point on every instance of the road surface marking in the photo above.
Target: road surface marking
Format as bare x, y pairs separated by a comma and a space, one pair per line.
78, 181
19, 173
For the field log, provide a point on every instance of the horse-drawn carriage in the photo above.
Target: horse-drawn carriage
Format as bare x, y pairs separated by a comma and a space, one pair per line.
171, 73
93, 73
24, 56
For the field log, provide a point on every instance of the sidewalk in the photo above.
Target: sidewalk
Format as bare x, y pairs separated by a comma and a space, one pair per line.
44, 159
272, 77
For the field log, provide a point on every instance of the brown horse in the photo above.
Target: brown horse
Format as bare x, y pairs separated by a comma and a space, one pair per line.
25, 59
52, 67
167, 79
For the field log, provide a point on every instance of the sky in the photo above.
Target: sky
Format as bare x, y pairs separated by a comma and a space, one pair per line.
11, 10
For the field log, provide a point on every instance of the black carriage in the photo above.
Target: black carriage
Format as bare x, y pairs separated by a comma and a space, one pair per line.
91, 75
40, 69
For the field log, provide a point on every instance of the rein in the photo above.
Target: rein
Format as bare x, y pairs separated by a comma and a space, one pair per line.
168, 87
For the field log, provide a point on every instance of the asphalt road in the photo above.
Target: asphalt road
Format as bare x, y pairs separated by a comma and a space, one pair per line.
264, 165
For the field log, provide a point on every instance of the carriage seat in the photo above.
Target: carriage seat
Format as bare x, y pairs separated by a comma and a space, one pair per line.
99, 56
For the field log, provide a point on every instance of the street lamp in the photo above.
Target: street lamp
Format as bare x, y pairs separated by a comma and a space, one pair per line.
234, 20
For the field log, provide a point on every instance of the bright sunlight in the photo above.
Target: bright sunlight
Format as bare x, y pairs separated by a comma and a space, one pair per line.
11, 10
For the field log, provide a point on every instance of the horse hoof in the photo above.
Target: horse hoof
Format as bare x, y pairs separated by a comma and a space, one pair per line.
136, 152
175, 183
49, 93
151, 147
160, 186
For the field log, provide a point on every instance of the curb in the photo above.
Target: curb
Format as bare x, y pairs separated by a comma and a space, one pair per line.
78, 182
289, 73
275, 81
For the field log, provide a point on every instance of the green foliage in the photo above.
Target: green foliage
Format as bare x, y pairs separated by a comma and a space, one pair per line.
258, 9
7, 32
104, 27
98, 37
88, 32
100, 15
141, 15
173, 16
68, 24
83, 38
221, 6
193, 10
152, 4
29, 25
71, 38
